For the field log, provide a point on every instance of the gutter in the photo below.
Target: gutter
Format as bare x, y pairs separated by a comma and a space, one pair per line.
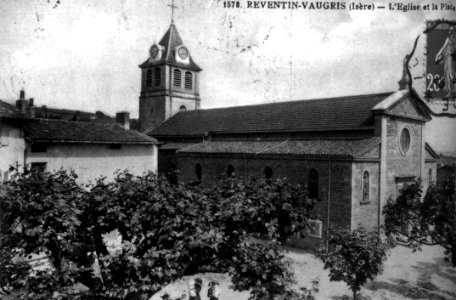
93, 142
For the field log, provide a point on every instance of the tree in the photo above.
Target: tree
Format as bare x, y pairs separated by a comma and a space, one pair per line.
172, 229
430, 220
168, 230
354, 257
269, 210
41, 216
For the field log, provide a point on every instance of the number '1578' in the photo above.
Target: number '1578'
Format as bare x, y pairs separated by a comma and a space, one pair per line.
231, 4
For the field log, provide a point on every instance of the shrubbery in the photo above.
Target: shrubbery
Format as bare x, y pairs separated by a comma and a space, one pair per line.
428, 220
168, 231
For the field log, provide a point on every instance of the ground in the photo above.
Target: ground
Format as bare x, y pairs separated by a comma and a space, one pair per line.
407, 275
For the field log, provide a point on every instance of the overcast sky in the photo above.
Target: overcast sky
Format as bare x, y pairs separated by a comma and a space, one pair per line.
85, 54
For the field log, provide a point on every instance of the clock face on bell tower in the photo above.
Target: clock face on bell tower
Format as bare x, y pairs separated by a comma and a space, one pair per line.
183, 52
154, 51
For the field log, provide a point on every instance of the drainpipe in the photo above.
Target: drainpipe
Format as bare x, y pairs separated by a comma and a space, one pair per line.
329, 206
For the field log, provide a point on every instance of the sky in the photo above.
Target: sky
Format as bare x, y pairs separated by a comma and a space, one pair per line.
85, 54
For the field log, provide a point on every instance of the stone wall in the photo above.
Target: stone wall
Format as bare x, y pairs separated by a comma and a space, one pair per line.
294, 169
365, 213
400, 165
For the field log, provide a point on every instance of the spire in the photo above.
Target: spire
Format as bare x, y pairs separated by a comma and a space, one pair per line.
169, 42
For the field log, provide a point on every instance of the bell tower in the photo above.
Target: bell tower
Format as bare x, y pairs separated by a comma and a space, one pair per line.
169, 81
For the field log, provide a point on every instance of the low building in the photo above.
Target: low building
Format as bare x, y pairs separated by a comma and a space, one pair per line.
90, 149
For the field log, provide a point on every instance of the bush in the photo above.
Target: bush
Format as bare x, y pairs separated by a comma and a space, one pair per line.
354, 257
430, 220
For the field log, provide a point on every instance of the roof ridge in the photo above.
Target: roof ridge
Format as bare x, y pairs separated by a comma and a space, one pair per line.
289, 101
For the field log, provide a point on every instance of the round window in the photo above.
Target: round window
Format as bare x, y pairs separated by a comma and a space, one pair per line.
404, 140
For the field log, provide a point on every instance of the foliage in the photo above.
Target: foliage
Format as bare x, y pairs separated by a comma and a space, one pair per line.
168, 230
354, 257
269, 210
262, 268
42, 214
429, 220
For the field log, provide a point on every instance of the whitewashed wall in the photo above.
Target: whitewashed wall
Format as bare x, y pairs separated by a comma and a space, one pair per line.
12, 146
90, 161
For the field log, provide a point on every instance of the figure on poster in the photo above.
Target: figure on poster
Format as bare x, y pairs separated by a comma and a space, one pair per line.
447, 55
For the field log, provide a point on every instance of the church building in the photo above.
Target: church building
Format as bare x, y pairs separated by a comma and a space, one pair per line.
352, 153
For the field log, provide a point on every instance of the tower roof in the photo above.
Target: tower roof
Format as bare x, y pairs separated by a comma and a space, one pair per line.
169, 42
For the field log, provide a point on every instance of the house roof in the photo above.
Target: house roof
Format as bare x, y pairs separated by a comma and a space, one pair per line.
348, 148
60, 131
329, 114
71, 115
9, 111
169, 42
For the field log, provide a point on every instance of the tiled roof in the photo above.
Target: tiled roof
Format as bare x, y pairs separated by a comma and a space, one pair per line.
71, 115
45, 130
316, 147
170, 41
343, 113
175, 146
8, 111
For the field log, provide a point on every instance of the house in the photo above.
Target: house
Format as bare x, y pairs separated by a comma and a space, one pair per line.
352, 153
92, 147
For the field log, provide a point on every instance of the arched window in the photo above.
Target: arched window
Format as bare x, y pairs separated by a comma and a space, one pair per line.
366, 188
149, 78
188, 80
267, 173
177, 77
182, 108
157, 76
230, 171
198, 171
430, 177
313, 184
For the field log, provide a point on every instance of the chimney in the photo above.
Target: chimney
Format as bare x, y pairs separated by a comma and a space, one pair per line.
22, 104
31, 108
123, 118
